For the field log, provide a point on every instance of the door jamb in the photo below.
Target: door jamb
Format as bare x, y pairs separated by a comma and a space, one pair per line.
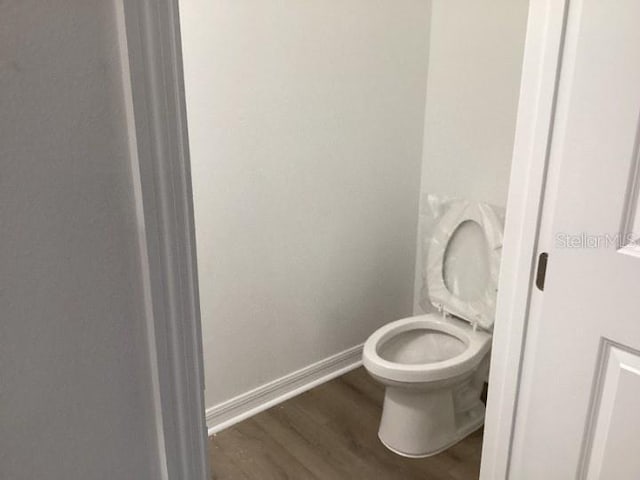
155, 64
152, 54
536, 108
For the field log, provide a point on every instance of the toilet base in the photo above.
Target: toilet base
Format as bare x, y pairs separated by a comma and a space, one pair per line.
419, 424
436, 452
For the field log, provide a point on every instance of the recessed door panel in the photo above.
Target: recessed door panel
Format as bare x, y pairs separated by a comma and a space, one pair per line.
612, 441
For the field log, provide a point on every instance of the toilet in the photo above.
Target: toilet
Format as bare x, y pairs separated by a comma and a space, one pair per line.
434, 366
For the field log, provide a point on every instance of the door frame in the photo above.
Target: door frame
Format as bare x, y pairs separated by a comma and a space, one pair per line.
161, 171
536, 109
151, 56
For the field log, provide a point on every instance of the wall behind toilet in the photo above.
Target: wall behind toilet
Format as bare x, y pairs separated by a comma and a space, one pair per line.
475, 58
305, 124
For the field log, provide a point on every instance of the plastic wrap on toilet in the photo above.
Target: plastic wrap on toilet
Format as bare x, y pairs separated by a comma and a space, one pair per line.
440, 216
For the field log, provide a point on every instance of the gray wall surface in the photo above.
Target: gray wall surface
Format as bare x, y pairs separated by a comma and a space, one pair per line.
475, 61
305, 124
75, 394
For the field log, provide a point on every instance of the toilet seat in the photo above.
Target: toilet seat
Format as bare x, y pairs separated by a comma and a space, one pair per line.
477, 345
480, 311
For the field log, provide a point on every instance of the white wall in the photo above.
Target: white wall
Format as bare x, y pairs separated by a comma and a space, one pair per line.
475, 60
305, 122
75, 397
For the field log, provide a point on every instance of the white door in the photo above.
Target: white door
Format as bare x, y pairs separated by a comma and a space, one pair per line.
578, 412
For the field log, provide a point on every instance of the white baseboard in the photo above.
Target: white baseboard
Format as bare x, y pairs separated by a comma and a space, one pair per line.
266, 396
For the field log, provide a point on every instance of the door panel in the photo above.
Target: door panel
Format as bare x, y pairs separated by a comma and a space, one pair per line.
571, 421
612, 438
631, 218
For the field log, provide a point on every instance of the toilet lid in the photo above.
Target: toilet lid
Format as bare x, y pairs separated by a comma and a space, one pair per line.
463, 262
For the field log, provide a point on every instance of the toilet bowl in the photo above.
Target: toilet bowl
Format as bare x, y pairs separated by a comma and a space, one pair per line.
434, 366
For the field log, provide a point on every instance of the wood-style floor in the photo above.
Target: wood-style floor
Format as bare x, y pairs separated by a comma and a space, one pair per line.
330, 433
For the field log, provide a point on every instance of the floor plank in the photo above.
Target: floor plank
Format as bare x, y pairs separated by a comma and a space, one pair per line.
330, 433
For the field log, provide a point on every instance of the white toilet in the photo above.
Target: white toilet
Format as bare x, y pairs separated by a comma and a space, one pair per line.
434, 366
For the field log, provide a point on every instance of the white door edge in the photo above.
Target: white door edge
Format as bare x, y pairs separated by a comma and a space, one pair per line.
541, 65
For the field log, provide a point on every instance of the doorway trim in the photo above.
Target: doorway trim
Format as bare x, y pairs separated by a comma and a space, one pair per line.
536, 109
159, 114
152, 61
